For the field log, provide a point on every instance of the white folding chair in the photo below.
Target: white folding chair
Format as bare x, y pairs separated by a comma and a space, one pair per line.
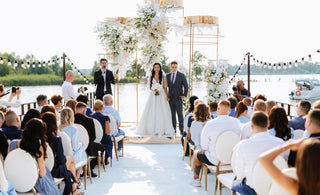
260, 177
21, 170
67, 148
276, 189
298, 134
49, 163
3, 180
223, 147
191, 148
99, 131
114, 128
185, 140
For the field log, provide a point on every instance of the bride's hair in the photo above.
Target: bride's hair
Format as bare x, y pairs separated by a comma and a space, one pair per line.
153, 73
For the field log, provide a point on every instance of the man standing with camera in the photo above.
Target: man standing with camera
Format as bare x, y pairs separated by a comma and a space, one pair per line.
15, 91
239, 91
67, 89
103, 78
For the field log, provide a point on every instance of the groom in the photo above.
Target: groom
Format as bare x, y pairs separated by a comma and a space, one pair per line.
178, 90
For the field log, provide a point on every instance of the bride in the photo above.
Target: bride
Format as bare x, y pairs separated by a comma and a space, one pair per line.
156, 118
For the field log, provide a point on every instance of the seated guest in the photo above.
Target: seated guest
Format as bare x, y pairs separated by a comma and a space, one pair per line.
12, 130
209, 134
233, 103
32, 113
66, 125
42, 100
279, 124
6, 188
71, 103
64, 166
3, 139
191, 119
270, 104
213, 109
87, 123
201, 116
191, 104
5, 103
246, 130
307, 169
108, 109
4, 110
47, 108
84, 99
316, 105
259, 97
303, 108
57, 102
105, 122
248, 151
33, 141
242, 112
312, 126
247, 101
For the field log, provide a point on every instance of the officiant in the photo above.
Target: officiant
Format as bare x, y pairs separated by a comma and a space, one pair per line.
103, 79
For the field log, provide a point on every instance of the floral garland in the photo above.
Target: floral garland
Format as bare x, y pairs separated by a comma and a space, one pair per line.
152, 27
121, 42
216, 78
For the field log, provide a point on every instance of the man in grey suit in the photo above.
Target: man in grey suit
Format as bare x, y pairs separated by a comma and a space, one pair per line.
178, 90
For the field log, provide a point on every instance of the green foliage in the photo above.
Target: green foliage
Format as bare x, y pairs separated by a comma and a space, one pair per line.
95, 67
198, 60
128, 80
132, 72
164, 64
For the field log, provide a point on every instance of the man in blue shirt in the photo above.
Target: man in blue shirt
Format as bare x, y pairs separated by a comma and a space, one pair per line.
12, 130
303, 108
108, 109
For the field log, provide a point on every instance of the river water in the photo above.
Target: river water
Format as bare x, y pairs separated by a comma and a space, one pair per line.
274, 87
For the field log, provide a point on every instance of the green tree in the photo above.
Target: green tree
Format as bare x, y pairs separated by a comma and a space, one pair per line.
95, 67
198, 63
164, 64
132, 72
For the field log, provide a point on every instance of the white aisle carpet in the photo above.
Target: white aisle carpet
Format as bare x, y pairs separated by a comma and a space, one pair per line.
149, 169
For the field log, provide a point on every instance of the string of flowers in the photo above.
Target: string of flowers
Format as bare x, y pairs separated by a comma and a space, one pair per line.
152, 26
216, 78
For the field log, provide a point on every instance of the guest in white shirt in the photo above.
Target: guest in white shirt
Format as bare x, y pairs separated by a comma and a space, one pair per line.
16, 103
246, 131
210, 132
270, 104
201, 115
248, 151
67, 89
42, 100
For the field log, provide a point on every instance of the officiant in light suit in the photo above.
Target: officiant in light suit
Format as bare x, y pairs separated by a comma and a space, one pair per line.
178, 90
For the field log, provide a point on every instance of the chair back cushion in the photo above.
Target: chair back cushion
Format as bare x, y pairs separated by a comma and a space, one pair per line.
83, 135
99, 130
260, 177
185, 122
113, 125
21, 170
49, 162
66, 143
298, 134
224, 145
3, 179
276, 188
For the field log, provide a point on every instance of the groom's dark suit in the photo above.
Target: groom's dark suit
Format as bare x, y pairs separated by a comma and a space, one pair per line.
99, 80
178, 86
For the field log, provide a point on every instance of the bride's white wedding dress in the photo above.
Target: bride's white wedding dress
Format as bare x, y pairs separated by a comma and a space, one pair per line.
156, 118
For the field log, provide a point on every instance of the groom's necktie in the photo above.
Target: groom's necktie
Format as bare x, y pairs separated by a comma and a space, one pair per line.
172, 78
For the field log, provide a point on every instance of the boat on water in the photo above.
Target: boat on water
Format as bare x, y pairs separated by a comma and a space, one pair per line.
306, 89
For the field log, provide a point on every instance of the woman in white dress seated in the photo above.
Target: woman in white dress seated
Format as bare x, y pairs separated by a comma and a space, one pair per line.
201, 115
156, 118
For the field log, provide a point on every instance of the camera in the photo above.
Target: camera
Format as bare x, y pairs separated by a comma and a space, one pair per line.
235, 88
14, 89
84, 89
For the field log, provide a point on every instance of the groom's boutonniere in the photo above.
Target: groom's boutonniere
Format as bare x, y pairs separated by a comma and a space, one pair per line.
157, 87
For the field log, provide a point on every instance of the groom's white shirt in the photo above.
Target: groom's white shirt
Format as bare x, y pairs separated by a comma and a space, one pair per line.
213, 129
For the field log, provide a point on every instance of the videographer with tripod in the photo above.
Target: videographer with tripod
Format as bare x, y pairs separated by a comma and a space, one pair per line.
239, 91
103, 78
15, 91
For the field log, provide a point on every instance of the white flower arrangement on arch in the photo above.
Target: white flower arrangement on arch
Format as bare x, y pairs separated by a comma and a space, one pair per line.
217, 82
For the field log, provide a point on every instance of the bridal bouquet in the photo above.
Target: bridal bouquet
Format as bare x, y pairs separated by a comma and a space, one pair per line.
157, 87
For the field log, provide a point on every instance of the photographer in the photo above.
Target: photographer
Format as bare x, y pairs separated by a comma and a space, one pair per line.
239, 91
67, 89
15, 91
103, 78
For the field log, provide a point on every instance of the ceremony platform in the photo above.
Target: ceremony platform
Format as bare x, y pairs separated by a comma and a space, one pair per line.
150, 169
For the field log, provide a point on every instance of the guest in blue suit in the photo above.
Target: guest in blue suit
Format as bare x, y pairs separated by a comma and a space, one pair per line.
233, 103
304, 107
105, 122
12, 129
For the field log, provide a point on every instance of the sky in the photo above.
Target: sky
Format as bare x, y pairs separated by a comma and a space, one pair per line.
273, 30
